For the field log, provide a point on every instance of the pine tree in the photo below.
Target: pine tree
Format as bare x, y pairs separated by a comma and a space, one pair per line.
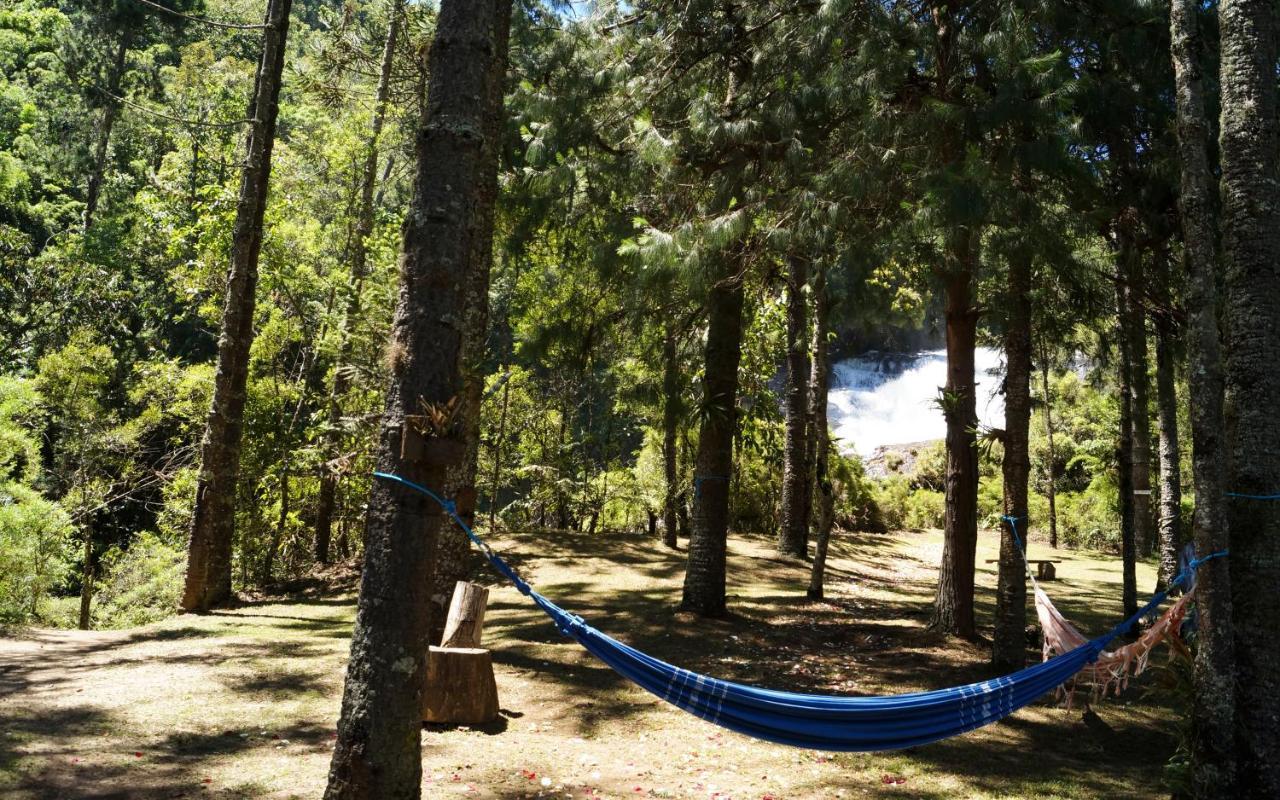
793, 533
1250, 138
208, 580
378, 750
1212, 739
359, 270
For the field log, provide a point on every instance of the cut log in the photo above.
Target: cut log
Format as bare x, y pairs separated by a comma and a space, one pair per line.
460, 686
466, 616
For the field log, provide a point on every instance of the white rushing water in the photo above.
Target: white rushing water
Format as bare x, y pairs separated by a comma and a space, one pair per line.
891, 398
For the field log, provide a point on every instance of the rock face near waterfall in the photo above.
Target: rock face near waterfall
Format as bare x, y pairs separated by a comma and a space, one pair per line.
896, 459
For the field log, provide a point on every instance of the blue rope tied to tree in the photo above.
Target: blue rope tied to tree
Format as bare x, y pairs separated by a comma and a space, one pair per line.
451, 508
1253, 496
824, 722
698, 479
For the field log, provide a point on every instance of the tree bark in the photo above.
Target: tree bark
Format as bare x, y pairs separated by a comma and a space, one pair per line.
671, 413
1051, 477
953, 605
819, 386
704, 579
110, 112
793, 533
1124, 445
498, 441
453, 558
86, 581
378, 750
1143, 519
208, 579
1008, 647
1170, 456
1251, 247
359, 270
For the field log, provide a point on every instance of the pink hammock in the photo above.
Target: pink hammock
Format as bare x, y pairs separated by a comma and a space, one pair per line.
1112, 670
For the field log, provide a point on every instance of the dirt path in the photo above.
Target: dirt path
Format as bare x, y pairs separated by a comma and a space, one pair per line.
242, 703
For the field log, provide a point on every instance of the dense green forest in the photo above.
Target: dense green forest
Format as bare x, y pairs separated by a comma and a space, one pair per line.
590, 273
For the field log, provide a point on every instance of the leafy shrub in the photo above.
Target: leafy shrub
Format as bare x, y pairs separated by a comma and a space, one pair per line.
1090, 518
856, 508
890, 497
36, 550
140, 584
924, 509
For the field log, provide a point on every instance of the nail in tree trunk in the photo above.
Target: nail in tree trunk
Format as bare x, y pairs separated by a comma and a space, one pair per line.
110, 112
953, 605
378, 749
1170, 456
704, 578
819, 386
1251, 248
359, 270
1051, 477
1008, 646
671, 412
793, 534
1124, 447
453, 558
208, 579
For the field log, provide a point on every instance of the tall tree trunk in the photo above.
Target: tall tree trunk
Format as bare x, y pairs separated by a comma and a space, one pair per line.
671, 413
208, 580
1170, 455
704, 578
359, 270
378, 750
1143, 519
819, 386
1213, 712
1008, 646
1051, 477
1124, 446
453, 555
953, 605
793, 534
498, 441
86, 580
110, 112
1251, 246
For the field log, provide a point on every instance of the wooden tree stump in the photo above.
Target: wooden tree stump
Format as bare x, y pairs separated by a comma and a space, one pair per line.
466, 616
461, 689
460, 686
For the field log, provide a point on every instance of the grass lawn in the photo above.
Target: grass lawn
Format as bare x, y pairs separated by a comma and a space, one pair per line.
242, 703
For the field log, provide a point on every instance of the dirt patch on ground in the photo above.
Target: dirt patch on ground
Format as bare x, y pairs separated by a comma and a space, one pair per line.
242, 703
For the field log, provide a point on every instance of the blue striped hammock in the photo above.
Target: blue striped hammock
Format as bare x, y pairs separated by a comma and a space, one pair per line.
819, 722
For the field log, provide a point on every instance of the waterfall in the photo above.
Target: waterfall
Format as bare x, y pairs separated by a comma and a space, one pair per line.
881, 399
